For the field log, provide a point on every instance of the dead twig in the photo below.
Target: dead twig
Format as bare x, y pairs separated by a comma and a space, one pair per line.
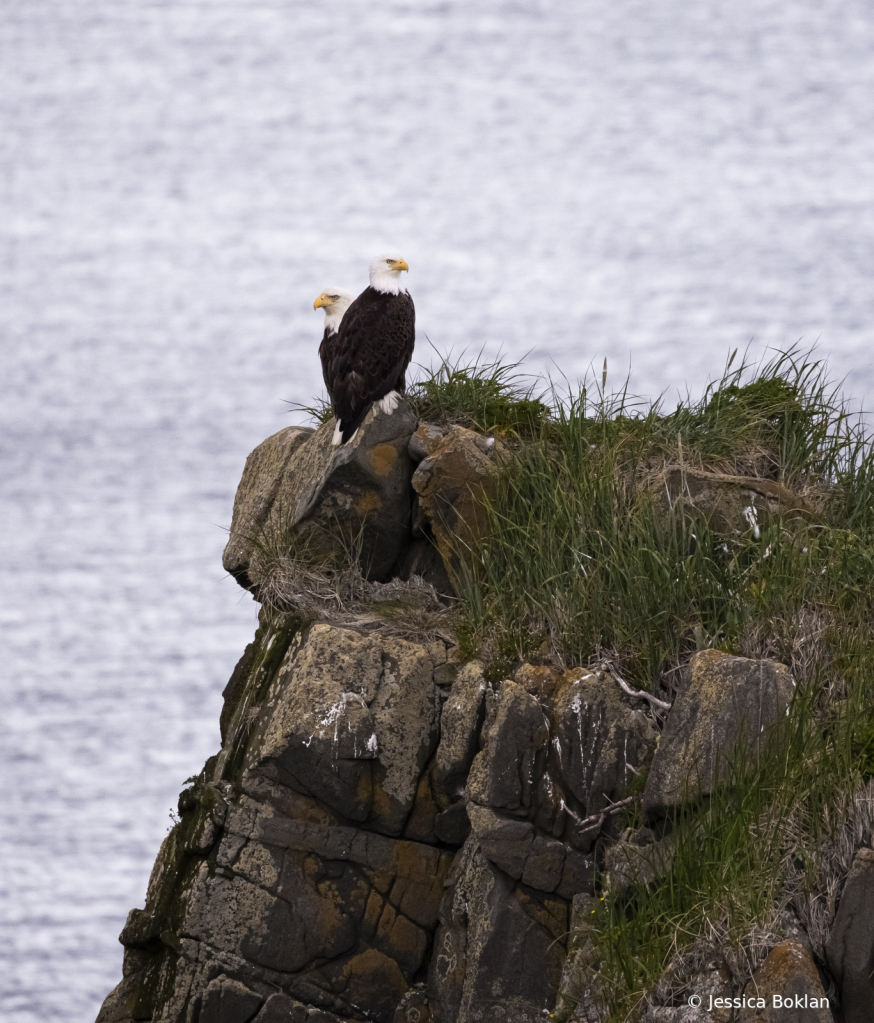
596, 820
637, 693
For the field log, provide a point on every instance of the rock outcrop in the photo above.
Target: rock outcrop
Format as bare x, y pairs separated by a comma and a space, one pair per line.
728, 701
453, 482
389, 834
786, 988
730, 504
850, 949
325, 502
378, 819
262, 476
298, 865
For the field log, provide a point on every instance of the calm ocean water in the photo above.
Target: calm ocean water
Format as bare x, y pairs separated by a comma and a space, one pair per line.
657, 184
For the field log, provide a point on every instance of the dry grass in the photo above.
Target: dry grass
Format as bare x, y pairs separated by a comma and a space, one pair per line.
341, 596
850, 819
798, 641
317, 576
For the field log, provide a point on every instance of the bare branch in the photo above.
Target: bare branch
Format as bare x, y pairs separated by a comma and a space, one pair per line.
595, 820
637, 693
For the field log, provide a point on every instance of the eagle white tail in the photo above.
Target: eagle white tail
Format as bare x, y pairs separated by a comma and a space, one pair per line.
389, 403
386, 405
337, 439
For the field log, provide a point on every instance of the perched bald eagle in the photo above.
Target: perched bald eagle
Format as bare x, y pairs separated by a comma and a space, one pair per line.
335, 302
372, 349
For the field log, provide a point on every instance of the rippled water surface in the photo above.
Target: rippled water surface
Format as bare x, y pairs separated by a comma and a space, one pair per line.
657, 184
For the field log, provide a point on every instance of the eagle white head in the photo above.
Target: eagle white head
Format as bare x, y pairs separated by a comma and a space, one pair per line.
335, 302
385, 274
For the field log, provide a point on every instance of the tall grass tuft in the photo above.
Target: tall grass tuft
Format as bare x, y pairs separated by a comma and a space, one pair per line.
486, 396
590, 556
585, 554
768, 843
482, 395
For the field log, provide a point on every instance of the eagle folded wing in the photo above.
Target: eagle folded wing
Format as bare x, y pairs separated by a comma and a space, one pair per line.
371, 355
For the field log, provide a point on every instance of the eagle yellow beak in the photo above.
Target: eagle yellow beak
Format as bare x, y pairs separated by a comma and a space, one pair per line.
401, 264
320, 301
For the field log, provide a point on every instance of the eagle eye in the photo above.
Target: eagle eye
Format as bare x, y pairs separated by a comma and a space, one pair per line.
389, 261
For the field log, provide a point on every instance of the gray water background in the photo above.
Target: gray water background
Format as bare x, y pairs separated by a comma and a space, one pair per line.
654, 183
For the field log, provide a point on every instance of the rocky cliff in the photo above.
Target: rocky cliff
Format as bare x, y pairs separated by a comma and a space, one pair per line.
391, 832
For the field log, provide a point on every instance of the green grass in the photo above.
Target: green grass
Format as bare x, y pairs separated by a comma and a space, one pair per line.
485, 396
586, 557
764, 840
585, 553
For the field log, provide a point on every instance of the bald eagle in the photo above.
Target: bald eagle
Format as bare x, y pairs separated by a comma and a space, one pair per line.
372, 350
335, 302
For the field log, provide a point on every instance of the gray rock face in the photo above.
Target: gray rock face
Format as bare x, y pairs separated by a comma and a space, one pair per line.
579, 989
460, 725
316, 872
637, 859
504, 772
265, 468
538, 862
352, 722
307, 873
289, 874
485, 924
850, 948
281, 1009
456, 473
728, 700
557, 746
228, 1001
305, 493
599, 737
413, 1007
425, 440
503, 841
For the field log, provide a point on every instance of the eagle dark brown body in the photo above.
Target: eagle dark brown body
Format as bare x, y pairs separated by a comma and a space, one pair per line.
335, 302
368, 358
328, 356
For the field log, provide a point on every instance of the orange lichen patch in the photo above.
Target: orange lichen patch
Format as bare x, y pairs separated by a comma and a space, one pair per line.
367, 502
375, 979
383, 458
787, 973
539, 681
